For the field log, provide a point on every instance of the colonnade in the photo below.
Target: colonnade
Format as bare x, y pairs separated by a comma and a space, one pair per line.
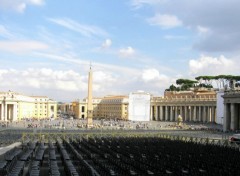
231, 116
8, 111
231, 119
195, 113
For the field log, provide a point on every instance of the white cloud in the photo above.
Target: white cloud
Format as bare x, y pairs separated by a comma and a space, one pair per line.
107, 43
164, 21
100, 76
127, 52
42, 78
85, 30
103, 80
65, 81
36, 2
154, 82
152, 74
19, 5
22, 46
212, 66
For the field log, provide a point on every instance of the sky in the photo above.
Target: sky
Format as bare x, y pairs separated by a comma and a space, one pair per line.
47, 46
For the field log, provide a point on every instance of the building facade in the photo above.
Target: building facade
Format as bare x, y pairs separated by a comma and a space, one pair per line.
79, 108
110, 107
231, 120
14, 106
114, 107
193, 106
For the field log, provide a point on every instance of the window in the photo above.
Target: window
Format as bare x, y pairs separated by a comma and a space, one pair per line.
83, 108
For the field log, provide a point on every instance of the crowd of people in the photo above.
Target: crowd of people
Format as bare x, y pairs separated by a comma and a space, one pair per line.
66, 123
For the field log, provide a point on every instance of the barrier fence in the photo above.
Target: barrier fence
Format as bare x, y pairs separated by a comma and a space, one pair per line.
53, 136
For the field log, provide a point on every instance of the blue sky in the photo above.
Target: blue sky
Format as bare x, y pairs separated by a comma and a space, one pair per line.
46, 46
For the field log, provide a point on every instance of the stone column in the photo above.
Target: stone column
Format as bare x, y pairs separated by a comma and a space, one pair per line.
233, 117
161, 113
5, 112
166, 113
215, 113
171, 113
181, 112
194, 113
212, 114
156, 112
190, 114
185, 113
200, 114
176, 113
1, 117
9, 112
226, 118
204, 114
207, 113
14, 112
151, 113
197, 110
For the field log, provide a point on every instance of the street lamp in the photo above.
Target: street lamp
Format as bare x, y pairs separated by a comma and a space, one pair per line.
222, 127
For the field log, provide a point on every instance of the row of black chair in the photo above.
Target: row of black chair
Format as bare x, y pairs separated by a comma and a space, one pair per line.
8, 156
40, 152
35, 169
17, 170
67, 162
123, 156
53, 168
161, 156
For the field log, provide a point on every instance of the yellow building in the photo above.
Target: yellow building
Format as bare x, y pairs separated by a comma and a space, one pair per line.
79, 108
114, 107
44, 107
14, 106
111, 107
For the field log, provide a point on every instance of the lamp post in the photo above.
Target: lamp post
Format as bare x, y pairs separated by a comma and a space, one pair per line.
222, 127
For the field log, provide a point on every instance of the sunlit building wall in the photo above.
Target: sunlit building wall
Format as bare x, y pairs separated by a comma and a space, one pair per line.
80, 108
15, 106
114, 107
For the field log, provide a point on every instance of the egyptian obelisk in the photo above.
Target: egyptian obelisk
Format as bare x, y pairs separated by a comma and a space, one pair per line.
90, 106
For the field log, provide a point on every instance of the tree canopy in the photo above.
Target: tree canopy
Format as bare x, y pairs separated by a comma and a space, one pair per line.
205, 81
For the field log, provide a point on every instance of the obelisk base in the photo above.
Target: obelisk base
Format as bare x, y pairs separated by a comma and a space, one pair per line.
89, 122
